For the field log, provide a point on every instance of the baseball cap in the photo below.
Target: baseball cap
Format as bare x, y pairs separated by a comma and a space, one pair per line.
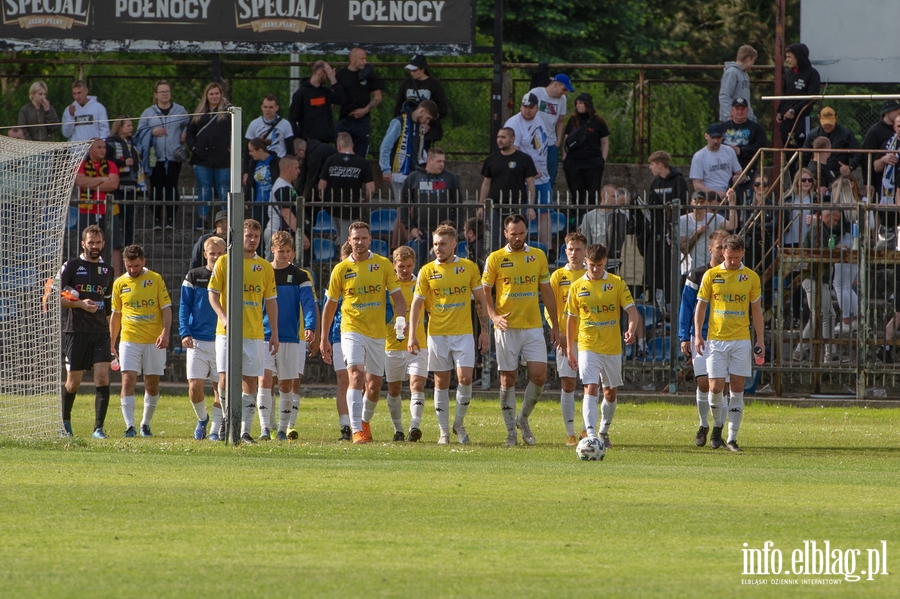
221, 215
739, 102
715, 130
827, 116
890, 106
529, 99
417, 62
564, 79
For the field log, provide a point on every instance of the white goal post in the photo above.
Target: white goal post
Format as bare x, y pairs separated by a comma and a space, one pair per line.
36, 180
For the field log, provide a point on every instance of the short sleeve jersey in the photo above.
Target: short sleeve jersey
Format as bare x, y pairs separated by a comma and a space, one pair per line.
141, 301
392, 343
362, 286
447, 291
561, 282
550, 110
509, 176
94, 281
517, 277
729, 294
259, 286
598, 304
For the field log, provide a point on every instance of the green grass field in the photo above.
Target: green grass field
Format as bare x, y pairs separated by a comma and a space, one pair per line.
171, 517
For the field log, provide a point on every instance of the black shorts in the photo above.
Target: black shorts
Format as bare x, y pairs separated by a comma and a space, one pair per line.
83, 350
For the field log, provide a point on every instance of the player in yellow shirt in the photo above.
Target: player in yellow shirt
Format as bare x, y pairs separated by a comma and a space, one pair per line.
594, 304
142, 311
517, 273
734, 295
361, 281
445, 289
259, 289
560, 282
398, 362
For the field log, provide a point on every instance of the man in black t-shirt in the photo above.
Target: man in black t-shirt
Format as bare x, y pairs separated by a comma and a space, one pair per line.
342, 179
508, 179
876, 139
86, 286
362, 91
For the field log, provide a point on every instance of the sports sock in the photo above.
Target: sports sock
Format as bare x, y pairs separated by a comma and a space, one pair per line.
248, 411
607, 411
735, 414
416, 407
532, 395
101, 405
703, 407
508, 408
200, 410
589, 414
344, 419
150, 402
715, 407
355, 407
216, 421
68, 400
395, 407
295, 409
128, 410
285, 409
567, 405
369, 409
442, 409
463, 398
264, 407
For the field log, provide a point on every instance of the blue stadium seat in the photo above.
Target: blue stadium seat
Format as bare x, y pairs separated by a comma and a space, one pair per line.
380, 246
382, 221
323, 249
562, 260
538, 246
559, 222
658, 349
648, 313
72, 220
324, 225
462, 249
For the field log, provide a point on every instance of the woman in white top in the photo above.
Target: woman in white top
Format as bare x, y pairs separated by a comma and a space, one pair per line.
796, 222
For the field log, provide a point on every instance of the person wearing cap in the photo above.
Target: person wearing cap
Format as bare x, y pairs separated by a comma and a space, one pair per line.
714, 168
840, 137
310, 114
736, 83
551, 110
877, 138
221, 225
800, 79
745, 137
585, 149
420, 85
362, 90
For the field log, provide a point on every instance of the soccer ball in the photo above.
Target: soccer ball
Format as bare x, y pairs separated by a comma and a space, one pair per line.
590, 448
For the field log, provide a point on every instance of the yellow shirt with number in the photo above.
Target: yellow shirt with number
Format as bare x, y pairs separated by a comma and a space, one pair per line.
516, 278
598, 304
729, 294
560, 282
362, 286
140, 301
447, 291
391, 341
259, 286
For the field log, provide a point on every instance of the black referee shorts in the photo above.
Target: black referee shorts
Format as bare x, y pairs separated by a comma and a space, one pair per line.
83, 350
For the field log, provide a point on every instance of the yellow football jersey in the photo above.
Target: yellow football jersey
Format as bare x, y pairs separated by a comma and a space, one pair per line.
729, 294
447, 291
259, 286
516, 278
140, 301
598, 305
362, 286
391, 341
560, 282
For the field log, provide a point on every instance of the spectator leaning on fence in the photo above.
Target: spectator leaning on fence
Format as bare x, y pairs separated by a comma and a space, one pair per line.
714, 167
37, 118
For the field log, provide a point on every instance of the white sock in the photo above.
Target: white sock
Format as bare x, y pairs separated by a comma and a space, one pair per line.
463, 399
416, 407
589, 414
128, 410
716, 406
216, 421
735, 414
264, 407
200, 410
567, 405
508, 408
344, 420
355, 407
607, 411
295, 410
442, 409
532, 395
223, 401
369, 410
285, 409
395, 407
248, 411
150, 402
703, 407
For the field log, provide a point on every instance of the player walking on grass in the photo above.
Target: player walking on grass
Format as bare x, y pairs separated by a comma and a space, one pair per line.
733, 293
445, 289
340, 368
593, 307
686, 334
197, 329
142, 311
259, 291
398, 362
296, 308
518, 273
561, 282
86, 328
361, 281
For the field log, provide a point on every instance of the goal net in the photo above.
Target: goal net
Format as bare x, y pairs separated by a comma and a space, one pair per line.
36, 181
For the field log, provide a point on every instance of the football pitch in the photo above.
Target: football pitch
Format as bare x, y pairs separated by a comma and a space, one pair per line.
659, 517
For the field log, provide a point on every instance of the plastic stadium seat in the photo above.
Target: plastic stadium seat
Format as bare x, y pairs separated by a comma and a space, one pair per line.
324, 225
562, 260
462, 249
648, 313
538, 246
658, 349
72, 220
323, 249
382, 221
380, 246
559, 222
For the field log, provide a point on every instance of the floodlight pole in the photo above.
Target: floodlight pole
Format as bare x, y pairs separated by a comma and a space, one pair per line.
234, 330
